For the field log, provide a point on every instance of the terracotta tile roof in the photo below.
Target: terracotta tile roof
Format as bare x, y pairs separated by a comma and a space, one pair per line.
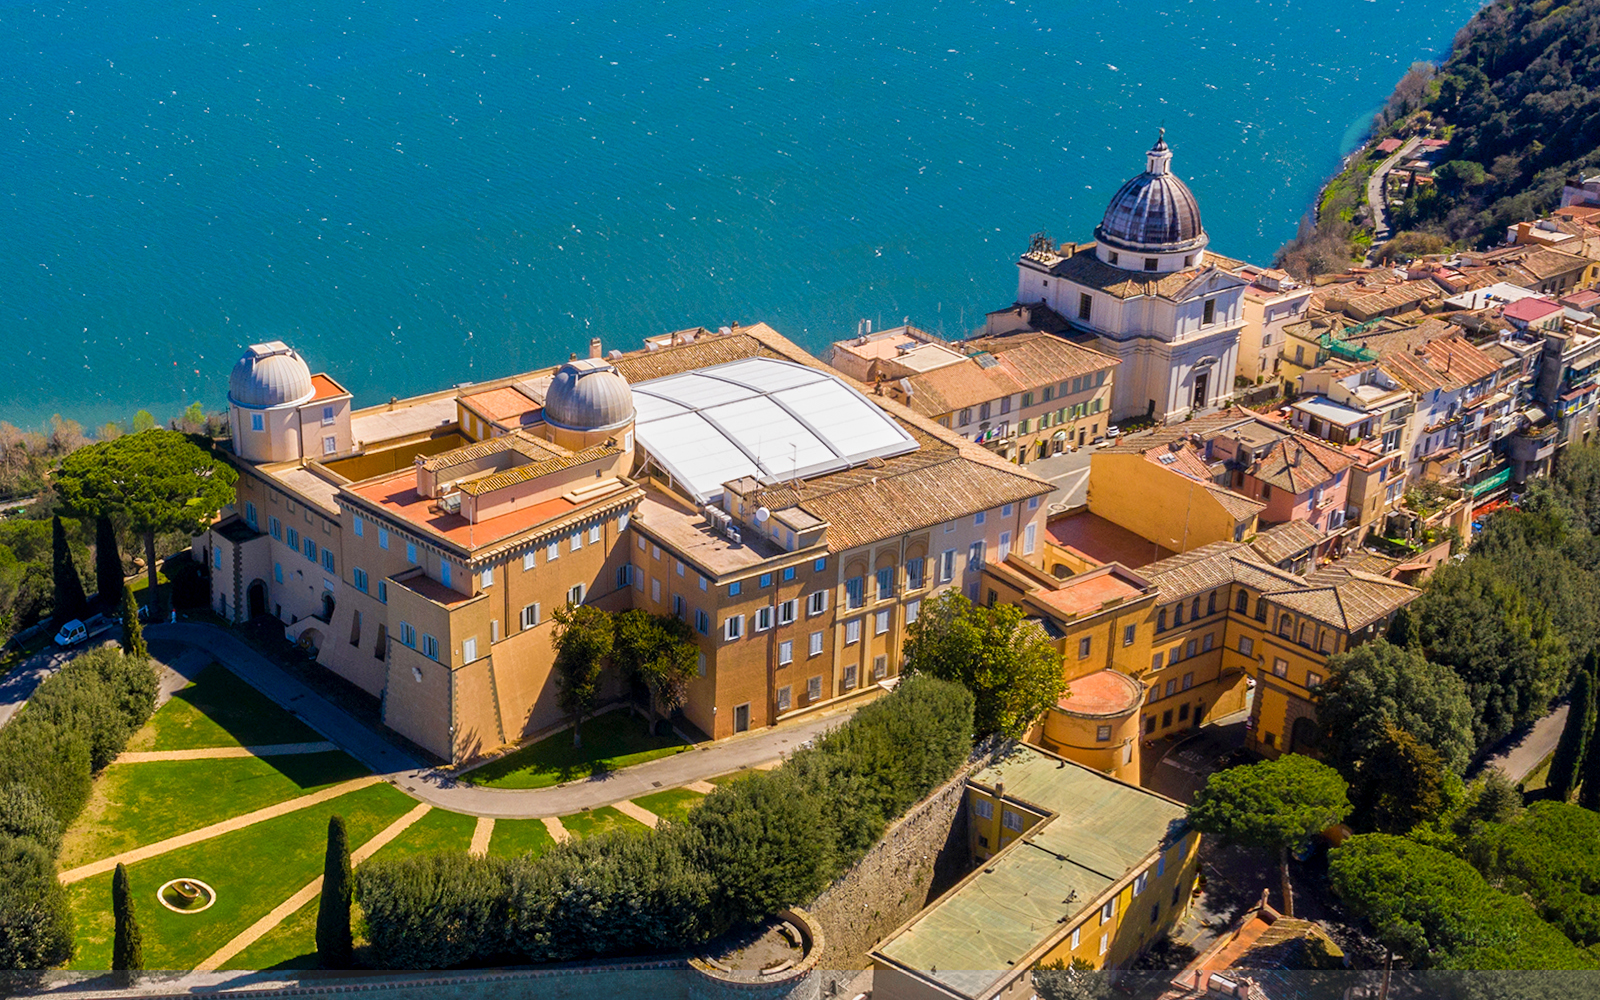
1446, 363
1238, 506
529, 447
1299, 464
1542, 263
642, 366
1022, 362
1184, 460
1084, 268
1285, 541
1363, 303
498, 404
533, 470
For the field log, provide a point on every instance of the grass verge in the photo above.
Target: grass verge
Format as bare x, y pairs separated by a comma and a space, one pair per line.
597, 821
673, 804
611, 741
513, 838
220, 710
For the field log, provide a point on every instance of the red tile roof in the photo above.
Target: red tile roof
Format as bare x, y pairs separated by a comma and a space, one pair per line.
1530, 310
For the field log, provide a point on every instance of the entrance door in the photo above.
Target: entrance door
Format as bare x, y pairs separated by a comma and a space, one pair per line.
1200, 384
258, 599
741, 718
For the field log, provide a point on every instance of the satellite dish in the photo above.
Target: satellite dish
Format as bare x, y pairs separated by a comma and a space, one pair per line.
762, 514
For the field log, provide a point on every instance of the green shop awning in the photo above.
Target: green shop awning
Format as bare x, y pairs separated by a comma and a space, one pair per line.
1494, 482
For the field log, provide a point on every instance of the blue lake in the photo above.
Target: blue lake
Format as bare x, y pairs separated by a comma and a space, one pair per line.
422, 193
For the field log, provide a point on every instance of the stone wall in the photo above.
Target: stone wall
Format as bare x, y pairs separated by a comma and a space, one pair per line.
919, 857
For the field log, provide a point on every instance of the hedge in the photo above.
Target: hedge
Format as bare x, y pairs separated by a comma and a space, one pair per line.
748, 850
75, 723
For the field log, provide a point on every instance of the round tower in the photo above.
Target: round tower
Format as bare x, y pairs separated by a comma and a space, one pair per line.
589, 403
266, 388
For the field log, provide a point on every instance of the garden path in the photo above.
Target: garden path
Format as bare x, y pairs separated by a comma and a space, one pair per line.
214, 830
633, 811
208, 753
250, 935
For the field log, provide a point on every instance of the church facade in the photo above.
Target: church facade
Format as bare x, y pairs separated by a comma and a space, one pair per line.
1148, 291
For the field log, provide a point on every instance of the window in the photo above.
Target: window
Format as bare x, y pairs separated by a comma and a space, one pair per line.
1155, 912
1171, 689
979, 517
766, 579
913, 608
677, 606
530, 616
1141, 881
817, 603
330, 445
1207, 641
1149, 723
1261, 610
1247, 646
383, 592
594, 534
702, 622
1188, 681
820, 565
984, 411
732, 627
358, 577
1077, 937
1280, 667
852, 631
310, 550
1161, 866
1208, 313
411, 553
880, 622
1155, 662
575, 541
655, 588
1108, 911
327, 560
855, 590
814, 688
700, 664
786, 612
257, 423
1243, 603
885, 582
383, 538
734, 588
1085, 305
1189, 649
1011, 821
444, 573
1161, 620
1030, 538
430, 646
576, 594
965, 418
486, 578
552, 550
1313, 679
275, 528
327, 416
469, 649
763, 619
850, 677
1127, 635
625, 576
1183, 713
947, 566
1150, 263
785, 653
815, 646
880, 667
983, 808
1005, 545
1084, 646
783, 698
292, 539
975, 557
408, 635
277, 572
1102, 734
788, 573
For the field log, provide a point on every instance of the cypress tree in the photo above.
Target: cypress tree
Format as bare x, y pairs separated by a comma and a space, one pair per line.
1589, 768
333, 913
1571, 748
127, 948
69, 600
107, 562
132, 631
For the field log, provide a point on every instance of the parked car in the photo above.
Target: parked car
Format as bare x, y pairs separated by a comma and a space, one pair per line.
72, 633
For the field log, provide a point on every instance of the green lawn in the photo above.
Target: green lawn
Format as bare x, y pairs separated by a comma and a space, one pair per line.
137, 804
673, 804
610, 741
220, 710
1533, 786
515, 837
293, 943
732, 776
596, 821
253, 870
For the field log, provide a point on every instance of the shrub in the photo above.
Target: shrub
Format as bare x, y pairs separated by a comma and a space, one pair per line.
25, 814
35, 923
433, 912
104, 695
50, 760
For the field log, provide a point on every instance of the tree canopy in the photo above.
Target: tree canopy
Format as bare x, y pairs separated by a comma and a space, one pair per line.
583, 638
1274, 804
1008, 663
1573, 745
657, 652
1376, 683
156, 480
1551, 855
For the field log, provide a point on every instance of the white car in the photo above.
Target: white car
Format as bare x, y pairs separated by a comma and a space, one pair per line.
72, 633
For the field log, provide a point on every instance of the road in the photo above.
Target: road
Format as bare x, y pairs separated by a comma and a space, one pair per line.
1518, 761
442, 789
1376, 202
1069, 472
18, 686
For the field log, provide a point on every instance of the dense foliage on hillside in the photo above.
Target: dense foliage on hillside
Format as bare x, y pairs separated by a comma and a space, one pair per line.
1521, 89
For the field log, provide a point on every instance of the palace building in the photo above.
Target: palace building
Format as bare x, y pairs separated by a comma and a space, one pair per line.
419, 547
1148, 291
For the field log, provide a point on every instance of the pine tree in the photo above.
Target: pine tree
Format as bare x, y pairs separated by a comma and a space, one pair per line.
107, 562
127, 947
333, 913
69, 600
1571, 748
132, 631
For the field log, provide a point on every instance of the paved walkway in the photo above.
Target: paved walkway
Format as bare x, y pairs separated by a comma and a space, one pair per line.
209, 753
214, 830
1377, 203
1518, 762
256, 931
439, 788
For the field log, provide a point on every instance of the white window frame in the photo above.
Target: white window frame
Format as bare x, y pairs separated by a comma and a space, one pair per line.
732, 628
785, 652
763, 618
530, 559
816, 603
787, 611
880, 622
814, 646
983, 808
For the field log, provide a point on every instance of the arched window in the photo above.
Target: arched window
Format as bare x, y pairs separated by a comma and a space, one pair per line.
1285, 626
1211, 603
1243, 603
1194, 611
1161, 620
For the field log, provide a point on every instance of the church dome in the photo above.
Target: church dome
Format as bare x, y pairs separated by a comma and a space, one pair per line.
1154, 212
270, 374
588, 395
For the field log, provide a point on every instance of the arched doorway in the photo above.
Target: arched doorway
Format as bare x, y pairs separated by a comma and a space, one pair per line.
327, 607
310, 640
1303, 736
256, 598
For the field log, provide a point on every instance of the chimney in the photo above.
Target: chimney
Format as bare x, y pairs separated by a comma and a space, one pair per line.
594, 347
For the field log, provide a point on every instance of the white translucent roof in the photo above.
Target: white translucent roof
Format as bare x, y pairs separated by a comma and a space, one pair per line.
765, 418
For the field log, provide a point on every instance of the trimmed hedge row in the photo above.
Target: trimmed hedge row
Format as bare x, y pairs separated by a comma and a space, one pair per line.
748, 850
75, 723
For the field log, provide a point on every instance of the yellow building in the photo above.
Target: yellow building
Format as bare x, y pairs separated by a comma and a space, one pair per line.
1164, 493
1075, 865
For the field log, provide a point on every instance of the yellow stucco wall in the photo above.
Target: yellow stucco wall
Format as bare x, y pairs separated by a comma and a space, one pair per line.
1157, 504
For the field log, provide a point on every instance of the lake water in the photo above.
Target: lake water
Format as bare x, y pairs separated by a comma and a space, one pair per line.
417, 192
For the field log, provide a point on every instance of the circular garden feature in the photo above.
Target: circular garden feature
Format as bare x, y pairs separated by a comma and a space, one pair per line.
186, 895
